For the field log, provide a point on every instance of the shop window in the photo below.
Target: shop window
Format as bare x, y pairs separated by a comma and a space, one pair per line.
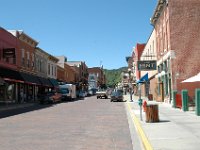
166, 85
48, 69
10, 92
159, 81
2, 92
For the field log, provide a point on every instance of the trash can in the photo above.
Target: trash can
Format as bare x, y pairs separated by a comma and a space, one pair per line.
152, 113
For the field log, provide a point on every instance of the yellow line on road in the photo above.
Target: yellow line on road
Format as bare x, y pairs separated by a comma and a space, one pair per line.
138, 126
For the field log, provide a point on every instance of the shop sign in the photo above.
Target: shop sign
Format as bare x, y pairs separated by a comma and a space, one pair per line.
9, 53
147, 65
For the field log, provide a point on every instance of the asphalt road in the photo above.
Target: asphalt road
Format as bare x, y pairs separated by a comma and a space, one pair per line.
89, 124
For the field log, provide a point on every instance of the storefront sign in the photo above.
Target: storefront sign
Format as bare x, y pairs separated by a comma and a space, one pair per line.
147, 65
9, 53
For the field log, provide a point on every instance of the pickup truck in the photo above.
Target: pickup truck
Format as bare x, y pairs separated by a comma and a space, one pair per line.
102, 94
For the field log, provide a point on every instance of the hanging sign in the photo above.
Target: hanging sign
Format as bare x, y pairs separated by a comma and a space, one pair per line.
9, 53
147, 65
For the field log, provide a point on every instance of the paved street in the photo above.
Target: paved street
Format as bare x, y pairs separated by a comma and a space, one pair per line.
88, 124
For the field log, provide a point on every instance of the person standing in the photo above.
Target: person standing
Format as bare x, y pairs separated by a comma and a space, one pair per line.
21, 95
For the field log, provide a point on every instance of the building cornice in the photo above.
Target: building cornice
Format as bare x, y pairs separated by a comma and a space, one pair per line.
158, 11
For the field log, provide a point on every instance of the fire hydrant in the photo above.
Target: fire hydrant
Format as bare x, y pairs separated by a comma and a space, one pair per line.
144, 106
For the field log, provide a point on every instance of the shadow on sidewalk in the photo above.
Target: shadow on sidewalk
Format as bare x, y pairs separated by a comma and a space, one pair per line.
22, 109
164, 121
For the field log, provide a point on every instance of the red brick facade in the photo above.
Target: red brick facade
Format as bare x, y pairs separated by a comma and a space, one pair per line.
100, 75
70, 74
7, 40
176, 23
60, 73
138, 51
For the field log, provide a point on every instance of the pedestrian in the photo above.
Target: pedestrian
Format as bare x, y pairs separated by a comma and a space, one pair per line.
21, 95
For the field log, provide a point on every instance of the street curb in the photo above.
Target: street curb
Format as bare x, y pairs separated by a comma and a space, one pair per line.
145, 141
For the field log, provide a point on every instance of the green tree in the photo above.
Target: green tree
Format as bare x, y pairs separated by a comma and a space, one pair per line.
113, 77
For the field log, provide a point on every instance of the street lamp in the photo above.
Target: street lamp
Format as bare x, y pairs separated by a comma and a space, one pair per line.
130, 84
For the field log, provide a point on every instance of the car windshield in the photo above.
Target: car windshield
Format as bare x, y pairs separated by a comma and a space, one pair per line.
64, 90
116, 93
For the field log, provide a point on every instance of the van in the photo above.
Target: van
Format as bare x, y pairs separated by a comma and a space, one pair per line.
68, 91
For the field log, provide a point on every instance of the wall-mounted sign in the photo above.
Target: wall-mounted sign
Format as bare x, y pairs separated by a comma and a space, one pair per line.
9, 53
147, 65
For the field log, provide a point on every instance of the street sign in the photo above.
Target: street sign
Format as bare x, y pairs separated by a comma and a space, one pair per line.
147, 65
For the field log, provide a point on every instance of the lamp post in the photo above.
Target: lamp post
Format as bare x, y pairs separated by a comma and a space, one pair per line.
130, 84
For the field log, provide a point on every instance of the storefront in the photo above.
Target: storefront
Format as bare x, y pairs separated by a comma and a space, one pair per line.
30, 86
2, 89
45, 86
9, 85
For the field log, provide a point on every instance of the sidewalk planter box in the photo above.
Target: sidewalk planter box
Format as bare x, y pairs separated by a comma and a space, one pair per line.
152, 113
178, 101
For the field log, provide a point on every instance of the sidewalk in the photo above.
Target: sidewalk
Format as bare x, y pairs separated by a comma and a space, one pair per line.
176, 130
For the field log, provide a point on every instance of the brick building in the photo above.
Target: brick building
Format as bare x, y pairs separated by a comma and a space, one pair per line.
136, 56
9, 72
100, 76
176, 24
70, 72
148, 53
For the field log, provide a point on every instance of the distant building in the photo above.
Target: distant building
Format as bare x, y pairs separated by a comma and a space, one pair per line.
67, 74
98, 75
92, 81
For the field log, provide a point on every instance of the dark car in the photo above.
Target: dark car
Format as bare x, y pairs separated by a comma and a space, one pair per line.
50, 97
116, 96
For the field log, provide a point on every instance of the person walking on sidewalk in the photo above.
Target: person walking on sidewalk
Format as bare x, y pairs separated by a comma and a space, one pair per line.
21, 95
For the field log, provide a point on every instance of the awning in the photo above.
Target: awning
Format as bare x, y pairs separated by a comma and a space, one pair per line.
45, 82
11, 75
143, 79
195, 78
54, 82
30, 79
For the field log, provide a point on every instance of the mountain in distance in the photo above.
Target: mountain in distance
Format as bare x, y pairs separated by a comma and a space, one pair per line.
113, 76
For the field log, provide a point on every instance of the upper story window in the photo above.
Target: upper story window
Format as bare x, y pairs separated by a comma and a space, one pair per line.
55, 71
40, 65
28, 59
23, 57
52, 70
153, 47
33, 60
48, 68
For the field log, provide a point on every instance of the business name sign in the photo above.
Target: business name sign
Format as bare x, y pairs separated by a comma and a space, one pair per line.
147, 65
9, 53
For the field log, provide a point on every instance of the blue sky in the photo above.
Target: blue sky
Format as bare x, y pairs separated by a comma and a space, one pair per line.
95, 31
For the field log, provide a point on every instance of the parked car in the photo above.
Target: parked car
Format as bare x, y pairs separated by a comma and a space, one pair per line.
50, 97
81, 94
116, 96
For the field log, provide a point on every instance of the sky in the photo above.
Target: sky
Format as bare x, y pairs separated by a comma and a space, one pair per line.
99, 32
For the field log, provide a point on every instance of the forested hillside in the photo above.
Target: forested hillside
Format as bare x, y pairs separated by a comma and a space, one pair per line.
113, 76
